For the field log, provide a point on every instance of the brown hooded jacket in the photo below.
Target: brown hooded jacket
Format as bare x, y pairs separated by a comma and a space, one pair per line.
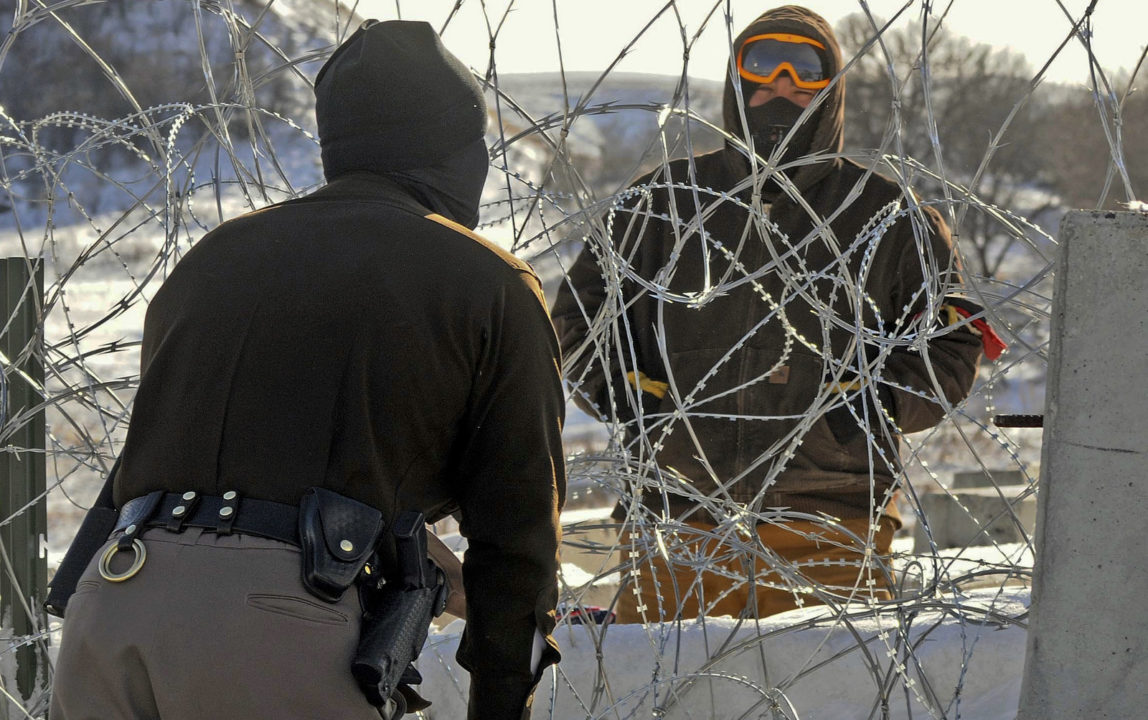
751, 316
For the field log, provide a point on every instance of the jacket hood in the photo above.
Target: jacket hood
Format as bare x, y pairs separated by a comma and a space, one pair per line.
829, 118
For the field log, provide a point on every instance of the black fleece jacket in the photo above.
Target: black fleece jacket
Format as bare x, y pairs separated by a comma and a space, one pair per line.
354, 341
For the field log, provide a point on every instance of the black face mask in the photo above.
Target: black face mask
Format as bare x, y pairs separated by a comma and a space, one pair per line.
770, 122
451, 187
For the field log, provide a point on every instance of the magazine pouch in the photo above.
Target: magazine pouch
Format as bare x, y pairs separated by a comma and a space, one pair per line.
337, 536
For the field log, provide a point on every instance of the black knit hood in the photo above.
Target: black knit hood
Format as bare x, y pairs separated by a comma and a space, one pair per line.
392, 98
829, 118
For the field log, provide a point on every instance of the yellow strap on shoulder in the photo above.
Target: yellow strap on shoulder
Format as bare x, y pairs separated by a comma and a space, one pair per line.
952, 317
657, 388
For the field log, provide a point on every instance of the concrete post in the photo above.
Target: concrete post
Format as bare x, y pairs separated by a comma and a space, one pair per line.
1087, 654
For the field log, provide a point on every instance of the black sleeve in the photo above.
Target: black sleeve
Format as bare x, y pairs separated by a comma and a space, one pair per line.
510, 495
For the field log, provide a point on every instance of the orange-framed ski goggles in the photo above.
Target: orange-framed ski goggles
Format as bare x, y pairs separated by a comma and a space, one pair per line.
761, 58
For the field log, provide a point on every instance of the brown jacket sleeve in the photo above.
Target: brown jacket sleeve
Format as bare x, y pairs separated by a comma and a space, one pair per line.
512, 489
580, 301
938, 373
589, 307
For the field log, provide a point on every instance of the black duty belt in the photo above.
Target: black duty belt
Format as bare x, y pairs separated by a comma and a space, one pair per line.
222, 514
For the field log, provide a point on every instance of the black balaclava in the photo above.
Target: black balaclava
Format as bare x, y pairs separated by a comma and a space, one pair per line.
452, 187
770, 122
392, 100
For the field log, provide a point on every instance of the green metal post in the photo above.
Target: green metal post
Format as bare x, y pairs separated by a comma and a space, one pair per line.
23, 505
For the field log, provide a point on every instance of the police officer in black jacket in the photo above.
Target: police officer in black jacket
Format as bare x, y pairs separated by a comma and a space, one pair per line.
361, 343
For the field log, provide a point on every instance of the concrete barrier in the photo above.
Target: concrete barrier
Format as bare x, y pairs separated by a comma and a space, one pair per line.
987, 478
976, 516
1086, 653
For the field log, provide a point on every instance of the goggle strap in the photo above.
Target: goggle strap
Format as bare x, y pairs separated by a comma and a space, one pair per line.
785, 37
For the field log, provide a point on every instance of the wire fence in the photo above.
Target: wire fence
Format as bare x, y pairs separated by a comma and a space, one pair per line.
127, 131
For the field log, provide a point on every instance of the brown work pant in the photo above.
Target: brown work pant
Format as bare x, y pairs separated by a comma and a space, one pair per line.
210, 627
794, 564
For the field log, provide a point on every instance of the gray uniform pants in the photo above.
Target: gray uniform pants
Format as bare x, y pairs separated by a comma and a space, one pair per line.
211, 627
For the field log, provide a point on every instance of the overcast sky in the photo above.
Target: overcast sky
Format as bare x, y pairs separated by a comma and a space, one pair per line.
593, 32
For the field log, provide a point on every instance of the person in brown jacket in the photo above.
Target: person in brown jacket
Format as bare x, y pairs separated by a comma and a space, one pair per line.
765, 325
362, 340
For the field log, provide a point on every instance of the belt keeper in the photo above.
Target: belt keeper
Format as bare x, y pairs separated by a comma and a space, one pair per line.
228, 511
151, 504
184, 510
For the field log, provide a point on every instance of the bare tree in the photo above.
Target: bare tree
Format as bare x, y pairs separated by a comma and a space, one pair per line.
1080, 154
966, 111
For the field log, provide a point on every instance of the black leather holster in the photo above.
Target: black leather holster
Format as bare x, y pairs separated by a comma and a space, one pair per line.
397, 621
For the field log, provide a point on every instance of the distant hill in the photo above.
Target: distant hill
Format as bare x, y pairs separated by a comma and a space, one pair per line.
143, 91
94, 94
615, 134
108, 59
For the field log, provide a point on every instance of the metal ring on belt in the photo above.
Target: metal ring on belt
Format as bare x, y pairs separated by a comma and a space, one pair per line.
137, 562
